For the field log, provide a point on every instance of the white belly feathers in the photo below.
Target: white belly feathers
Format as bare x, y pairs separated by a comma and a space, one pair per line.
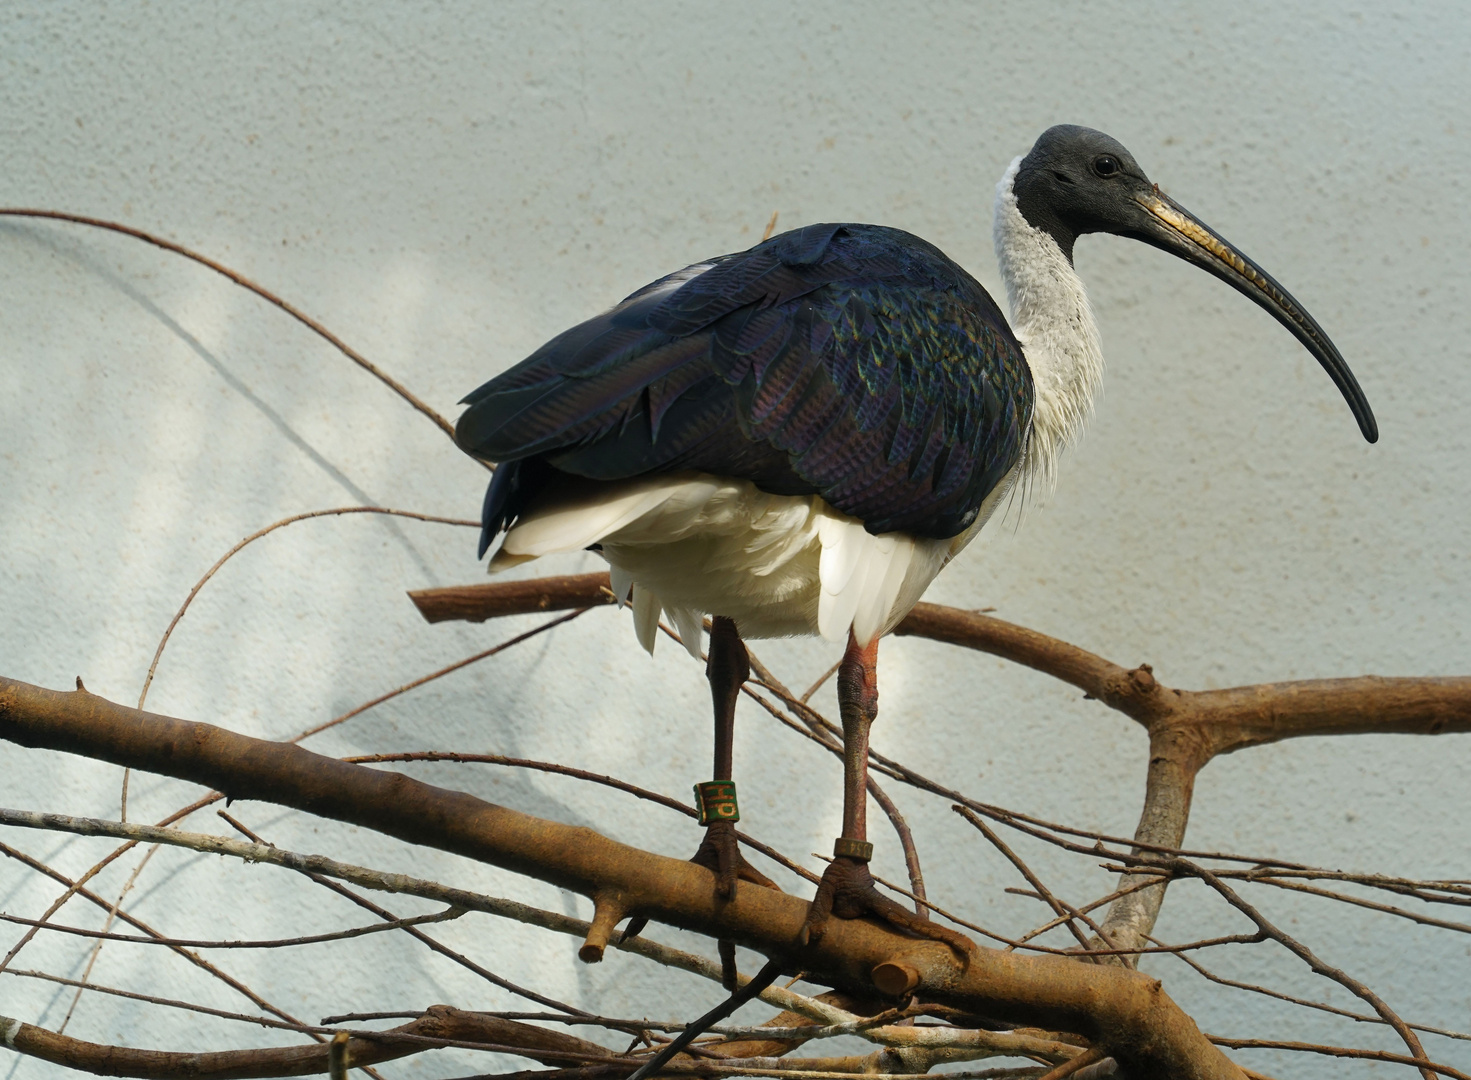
692, 544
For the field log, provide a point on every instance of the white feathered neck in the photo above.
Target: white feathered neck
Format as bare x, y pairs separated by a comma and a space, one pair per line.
1052, 319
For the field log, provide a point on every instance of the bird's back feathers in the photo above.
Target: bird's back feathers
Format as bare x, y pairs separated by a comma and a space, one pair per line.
853, 362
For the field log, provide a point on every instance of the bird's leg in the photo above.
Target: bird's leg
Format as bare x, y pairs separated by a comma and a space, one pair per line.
727, 669
847, 888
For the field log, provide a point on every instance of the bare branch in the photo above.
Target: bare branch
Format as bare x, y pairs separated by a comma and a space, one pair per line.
1026, 872
1363, 1018
206, 943
244, 282
414, 684
76, 888
413, 931
1125, 1012
1176, 755
1302, 952
440, 1026
383, 881
1424, 1064
1231, 719
227, 556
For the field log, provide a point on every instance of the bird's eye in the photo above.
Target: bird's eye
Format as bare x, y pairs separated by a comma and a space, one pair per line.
1106, 165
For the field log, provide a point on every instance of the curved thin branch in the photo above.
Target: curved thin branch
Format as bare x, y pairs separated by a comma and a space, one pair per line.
210, 943
244, 282
77, 888
438, 673
1422, 1063
227, 556
1253, 988
439, 1026
1307, 956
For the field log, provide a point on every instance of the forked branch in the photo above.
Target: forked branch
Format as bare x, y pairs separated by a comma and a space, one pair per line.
1187, 728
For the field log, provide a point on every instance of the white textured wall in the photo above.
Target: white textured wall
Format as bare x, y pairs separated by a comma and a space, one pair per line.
449, 187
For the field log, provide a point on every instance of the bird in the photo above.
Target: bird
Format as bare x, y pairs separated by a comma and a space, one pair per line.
797, 438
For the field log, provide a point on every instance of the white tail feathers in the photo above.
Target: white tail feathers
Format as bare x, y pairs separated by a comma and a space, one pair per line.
694, 544
619, 582
690, 626
646, 612
862, 577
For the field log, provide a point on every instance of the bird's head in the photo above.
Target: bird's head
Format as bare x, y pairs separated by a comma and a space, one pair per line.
1076, 180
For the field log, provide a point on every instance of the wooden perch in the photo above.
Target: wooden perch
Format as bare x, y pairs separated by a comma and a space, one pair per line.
1122, 1011
1224, 720
1187, 728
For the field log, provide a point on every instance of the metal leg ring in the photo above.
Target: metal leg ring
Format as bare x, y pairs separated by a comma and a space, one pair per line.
845, 848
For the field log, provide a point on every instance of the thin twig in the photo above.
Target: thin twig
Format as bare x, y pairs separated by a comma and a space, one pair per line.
413, 931
106, 925
1363, 1018
1345, 898
245, 283
158, 653
211, 943
75, 888
821, 681
414, 684
1307, 956
1427, 1067
1026, 872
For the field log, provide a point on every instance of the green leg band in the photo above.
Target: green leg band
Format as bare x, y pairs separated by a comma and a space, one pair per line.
716, 801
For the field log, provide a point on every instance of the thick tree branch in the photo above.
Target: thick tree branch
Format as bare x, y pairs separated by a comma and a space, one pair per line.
1176, 754
1124, 1012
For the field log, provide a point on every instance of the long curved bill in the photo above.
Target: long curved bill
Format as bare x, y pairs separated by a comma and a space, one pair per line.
1173, 228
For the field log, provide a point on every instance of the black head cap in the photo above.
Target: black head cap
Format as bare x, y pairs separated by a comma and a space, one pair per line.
1077, 180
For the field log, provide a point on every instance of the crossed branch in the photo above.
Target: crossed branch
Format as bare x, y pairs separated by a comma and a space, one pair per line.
1118, 1011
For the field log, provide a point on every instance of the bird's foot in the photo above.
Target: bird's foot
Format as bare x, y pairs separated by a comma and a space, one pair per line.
847, 891
720, 853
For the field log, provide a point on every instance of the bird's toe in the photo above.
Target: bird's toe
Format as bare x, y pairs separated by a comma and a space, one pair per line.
847, 891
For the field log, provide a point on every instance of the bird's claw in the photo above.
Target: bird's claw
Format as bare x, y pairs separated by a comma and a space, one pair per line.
720, 853
847, 891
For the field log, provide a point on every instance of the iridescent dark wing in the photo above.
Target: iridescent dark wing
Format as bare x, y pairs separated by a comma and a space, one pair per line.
853, 362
